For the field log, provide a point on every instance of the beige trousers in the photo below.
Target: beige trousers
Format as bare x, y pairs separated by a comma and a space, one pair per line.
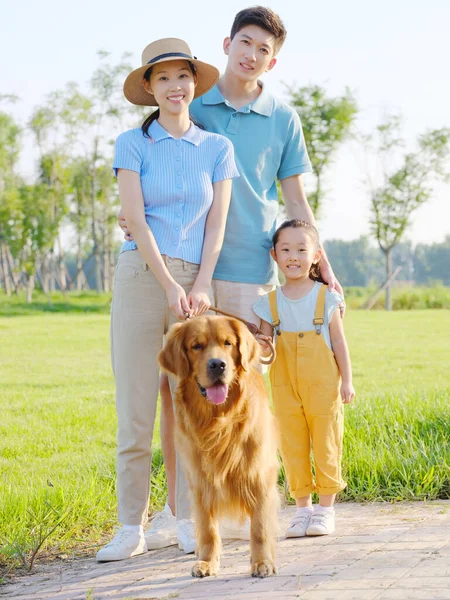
238, 298
140, 317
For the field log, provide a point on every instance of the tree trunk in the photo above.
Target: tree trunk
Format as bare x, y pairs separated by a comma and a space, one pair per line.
106, 247
95, 237
6, 279
52, 271
388, 299
80, 274
30, 288
45, 274
61, 267
15, 278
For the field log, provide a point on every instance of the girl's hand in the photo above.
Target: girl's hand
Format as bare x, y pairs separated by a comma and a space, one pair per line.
178, 304
198, 301
347, 392
262, 341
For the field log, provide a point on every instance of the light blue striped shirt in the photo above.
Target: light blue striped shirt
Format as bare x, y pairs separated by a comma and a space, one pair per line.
176, 179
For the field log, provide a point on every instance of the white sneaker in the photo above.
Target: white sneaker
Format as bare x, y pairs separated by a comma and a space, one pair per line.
162, 531
299, 524
322, 523
231, 530
186, 536
125, 543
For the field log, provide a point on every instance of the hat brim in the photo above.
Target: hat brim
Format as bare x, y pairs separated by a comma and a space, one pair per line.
207, 77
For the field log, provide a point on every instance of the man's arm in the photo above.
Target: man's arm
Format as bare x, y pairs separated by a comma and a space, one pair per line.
297, 207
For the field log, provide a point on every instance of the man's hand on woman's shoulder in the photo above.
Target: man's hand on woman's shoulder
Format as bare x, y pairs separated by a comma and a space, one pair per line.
123, 226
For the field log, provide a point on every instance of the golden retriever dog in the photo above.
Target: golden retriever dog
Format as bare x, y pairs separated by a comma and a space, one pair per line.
225, 436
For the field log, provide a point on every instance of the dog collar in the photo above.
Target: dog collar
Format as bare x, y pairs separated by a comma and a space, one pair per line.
201, 389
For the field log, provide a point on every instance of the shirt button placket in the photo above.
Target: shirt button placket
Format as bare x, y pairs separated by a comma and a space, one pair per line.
179, 194
233, 122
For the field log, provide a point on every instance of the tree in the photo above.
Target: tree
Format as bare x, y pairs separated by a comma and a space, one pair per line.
407, 183
10, 142
53, 179
327, 123
432, 262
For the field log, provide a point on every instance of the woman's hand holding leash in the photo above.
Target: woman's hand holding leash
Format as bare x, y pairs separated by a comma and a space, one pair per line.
198, 301
178, 304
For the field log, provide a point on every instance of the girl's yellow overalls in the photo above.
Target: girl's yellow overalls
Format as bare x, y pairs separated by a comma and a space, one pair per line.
305, 388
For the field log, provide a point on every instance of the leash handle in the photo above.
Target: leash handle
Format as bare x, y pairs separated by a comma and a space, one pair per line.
254, 329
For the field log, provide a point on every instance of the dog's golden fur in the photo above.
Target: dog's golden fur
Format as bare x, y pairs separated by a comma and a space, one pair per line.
229, 449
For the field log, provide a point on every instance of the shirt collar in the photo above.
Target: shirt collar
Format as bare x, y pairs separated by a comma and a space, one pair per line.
263, 104
157, 132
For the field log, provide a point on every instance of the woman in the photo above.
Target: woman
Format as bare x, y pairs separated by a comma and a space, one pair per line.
175, 186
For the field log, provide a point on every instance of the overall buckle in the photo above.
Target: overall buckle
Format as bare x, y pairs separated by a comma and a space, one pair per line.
318, 322
276, 326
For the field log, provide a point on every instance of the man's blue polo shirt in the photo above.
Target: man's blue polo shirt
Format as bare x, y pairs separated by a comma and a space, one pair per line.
268, 145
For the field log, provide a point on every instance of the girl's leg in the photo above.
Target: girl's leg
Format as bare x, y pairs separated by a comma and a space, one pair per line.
327, 500
304, 502
167, 428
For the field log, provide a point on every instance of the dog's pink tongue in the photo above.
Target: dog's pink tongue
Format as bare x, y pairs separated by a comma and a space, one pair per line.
217, 393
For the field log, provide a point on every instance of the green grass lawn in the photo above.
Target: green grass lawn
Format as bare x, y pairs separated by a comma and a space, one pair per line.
57, 423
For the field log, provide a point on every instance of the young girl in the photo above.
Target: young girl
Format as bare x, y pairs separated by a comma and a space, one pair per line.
175, 185
310, 375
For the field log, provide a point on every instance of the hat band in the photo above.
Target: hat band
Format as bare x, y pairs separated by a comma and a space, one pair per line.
169, 54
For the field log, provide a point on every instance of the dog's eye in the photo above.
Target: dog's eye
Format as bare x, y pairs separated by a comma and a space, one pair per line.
227, 343
197, 347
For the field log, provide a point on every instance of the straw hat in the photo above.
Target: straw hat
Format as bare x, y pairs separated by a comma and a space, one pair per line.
162, 51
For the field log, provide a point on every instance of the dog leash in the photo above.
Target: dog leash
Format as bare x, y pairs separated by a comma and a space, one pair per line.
255, 330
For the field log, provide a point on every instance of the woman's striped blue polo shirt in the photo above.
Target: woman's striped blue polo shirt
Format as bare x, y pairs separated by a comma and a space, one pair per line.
177, 177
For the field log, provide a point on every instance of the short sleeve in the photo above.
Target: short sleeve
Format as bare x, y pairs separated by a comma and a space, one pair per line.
262, 308
128, 152
294, 159
332, 301
225, 167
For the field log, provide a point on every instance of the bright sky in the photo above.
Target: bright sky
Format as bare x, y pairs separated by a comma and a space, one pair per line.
392, 54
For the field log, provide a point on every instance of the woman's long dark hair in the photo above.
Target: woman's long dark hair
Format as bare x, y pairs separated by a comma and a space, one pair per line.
155, 114
314, 272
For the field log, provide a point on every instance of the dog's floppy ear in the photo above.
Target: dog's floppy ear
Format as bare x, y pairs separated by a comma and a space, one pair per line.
249, 348
173, 357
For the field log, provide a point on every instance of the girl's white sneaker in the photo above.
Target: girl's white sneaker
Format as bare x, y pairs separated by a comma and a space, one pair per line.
322, 523
299, 524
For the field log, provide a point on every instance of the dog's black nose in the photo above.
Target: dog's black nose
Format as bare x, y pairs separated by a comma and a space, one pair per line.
216, 366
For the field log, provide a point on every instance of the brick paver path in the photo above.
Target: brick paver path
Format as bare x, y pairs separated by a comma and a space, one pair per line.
379, 551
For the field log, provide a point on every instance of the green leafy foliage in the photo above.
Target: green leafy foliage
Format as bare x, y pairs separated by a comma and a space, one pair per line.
327, 123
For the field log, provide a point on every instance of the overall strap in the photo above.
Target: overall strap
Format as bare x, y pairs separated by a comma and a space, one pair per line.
318, 320
274, 311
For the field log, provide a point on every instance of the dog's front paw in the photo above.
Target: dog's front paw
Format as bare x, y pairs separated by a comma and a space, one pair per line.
264, 568
203, 569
